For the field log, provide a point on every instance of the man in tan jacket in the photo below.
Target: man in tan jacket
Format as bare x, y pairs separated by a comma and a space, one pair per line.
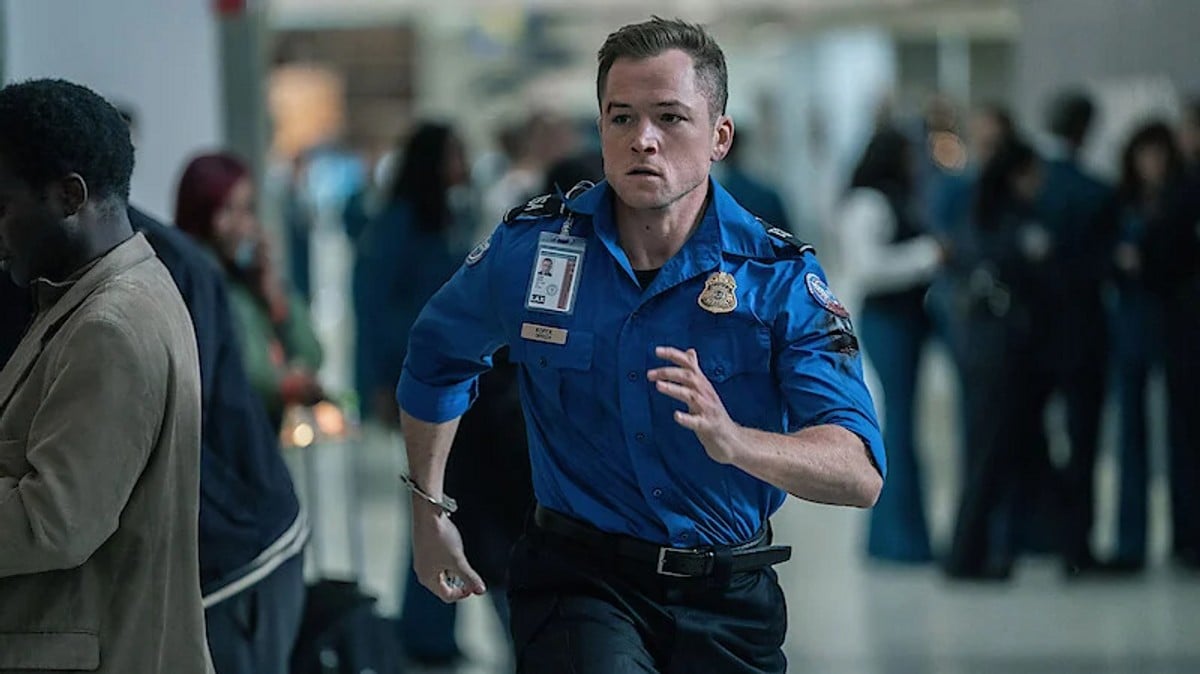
99, 408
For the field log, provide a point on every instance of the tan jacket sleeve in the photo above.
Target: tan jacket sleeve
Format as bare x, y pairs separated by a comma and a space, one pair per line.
91, 437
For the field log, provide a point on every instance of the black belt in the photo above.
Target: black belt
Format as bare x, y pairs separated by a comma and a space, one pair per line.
667, 561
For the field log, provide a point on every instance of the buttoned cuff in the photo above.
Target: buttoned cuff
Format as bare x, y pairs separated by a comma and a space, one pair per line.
435, 404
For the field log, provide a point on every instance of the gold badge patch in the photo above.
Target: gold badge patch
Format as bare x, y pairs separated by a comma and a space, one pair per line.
718, 296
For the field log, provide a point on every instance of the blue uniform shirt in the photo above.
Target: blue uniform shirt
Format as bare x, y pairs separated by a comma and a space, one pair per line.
604, 444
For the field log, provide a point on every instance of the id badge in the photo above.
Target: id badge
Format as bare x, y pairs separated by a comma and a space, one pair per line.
556, 271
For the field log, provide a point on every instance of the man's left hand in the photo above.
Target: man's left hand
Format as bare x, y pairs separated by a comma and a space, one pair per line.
706, 415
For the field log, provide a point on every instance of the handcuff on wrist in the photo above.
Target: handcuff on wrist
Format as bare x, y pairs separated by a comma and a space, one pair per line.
446, 504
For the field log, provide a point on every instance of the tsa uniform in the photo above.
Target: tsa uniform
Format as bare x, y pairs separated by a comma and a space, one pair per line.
609, 460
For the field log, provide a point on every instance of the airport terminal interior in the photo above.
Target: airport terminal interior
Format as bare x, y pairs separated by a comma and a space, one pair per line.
318, 97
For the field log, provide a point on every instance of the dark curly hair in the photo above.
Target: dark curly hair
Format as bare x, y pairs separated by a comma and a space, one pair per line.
50, 128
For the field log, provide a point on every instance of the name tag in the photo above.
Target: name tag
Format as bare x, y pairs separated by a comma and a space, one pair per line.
543, 333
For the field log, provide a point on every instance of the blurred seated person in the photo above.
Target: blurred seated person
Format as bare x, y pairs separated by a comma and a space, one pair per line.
216, 206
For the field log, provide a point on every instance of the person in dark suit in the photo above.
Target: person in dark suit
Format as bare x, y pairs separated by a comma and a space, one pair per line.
1172, 273
1006, 255
990, 128
252, 529
1080, 213
1152, 172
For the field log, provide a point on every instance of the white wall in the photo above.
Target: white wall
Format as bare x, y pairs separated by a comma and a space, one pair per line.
1137, 58
158, 56
829, 90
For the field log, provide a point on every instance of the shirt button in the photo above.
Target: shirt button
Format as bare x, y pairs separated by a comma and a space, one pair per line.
542, 361
657, 493
719, 371
639, 437
632, 376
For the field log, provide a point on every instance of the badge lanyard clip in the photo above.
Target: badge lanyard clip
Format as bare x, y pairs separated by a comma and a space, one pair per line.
564, 233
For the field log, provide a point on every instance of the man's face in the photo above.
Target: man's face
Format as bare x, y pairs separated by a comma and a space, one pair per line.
547, 265
33, 232
657, 135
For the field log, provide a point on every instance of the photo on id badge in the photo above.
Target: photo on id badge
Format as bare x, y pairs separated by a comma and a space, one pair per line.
554, 279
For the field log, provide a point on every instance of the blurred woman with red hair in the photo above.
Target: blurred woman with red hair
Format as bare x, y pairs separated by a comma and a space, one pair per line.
215, 205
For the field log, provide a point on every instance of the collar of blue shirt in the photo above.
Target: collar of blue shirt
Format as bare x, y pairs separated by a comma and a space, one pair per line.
741, 233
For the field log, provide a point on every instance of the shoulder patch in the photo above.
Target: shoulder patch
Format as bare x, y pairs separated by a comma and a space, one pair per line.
545, 206
780, 234
824, 296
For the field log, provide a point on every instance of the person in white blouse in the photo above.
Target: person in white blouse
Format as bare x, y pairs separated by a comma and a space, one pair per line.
889, 262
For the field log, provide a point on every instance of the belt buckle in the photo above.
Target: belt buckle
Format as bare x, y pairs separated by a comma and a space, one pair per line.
662, 560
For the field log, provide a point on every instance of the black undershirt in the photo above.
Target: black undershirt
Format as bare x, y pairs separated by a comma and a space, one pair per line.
646, 276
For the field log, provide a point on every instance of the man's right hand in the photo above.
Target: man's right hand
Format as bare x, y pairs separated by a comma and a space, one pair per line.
438, 556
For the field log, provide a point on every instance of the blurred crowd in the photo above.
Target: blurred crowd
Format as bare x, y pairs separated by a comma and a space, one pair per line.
1040, 278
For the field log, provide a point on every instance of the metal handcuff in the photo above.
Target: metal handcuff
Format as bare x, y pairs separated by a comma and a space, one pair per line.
448, 506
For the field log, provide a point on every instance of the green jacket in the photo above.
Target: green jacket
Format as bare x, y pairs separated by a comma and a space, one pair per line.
256, 335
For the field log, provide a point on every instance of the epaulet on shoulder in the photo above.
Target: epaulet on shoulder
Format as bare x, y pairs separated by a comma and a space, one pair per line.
545, 206
794, 247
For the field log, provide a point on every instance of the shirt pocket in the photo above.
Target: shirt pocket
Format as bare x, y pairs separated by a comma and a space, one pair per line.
559, 375
727, 352
736, 359
50, 651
